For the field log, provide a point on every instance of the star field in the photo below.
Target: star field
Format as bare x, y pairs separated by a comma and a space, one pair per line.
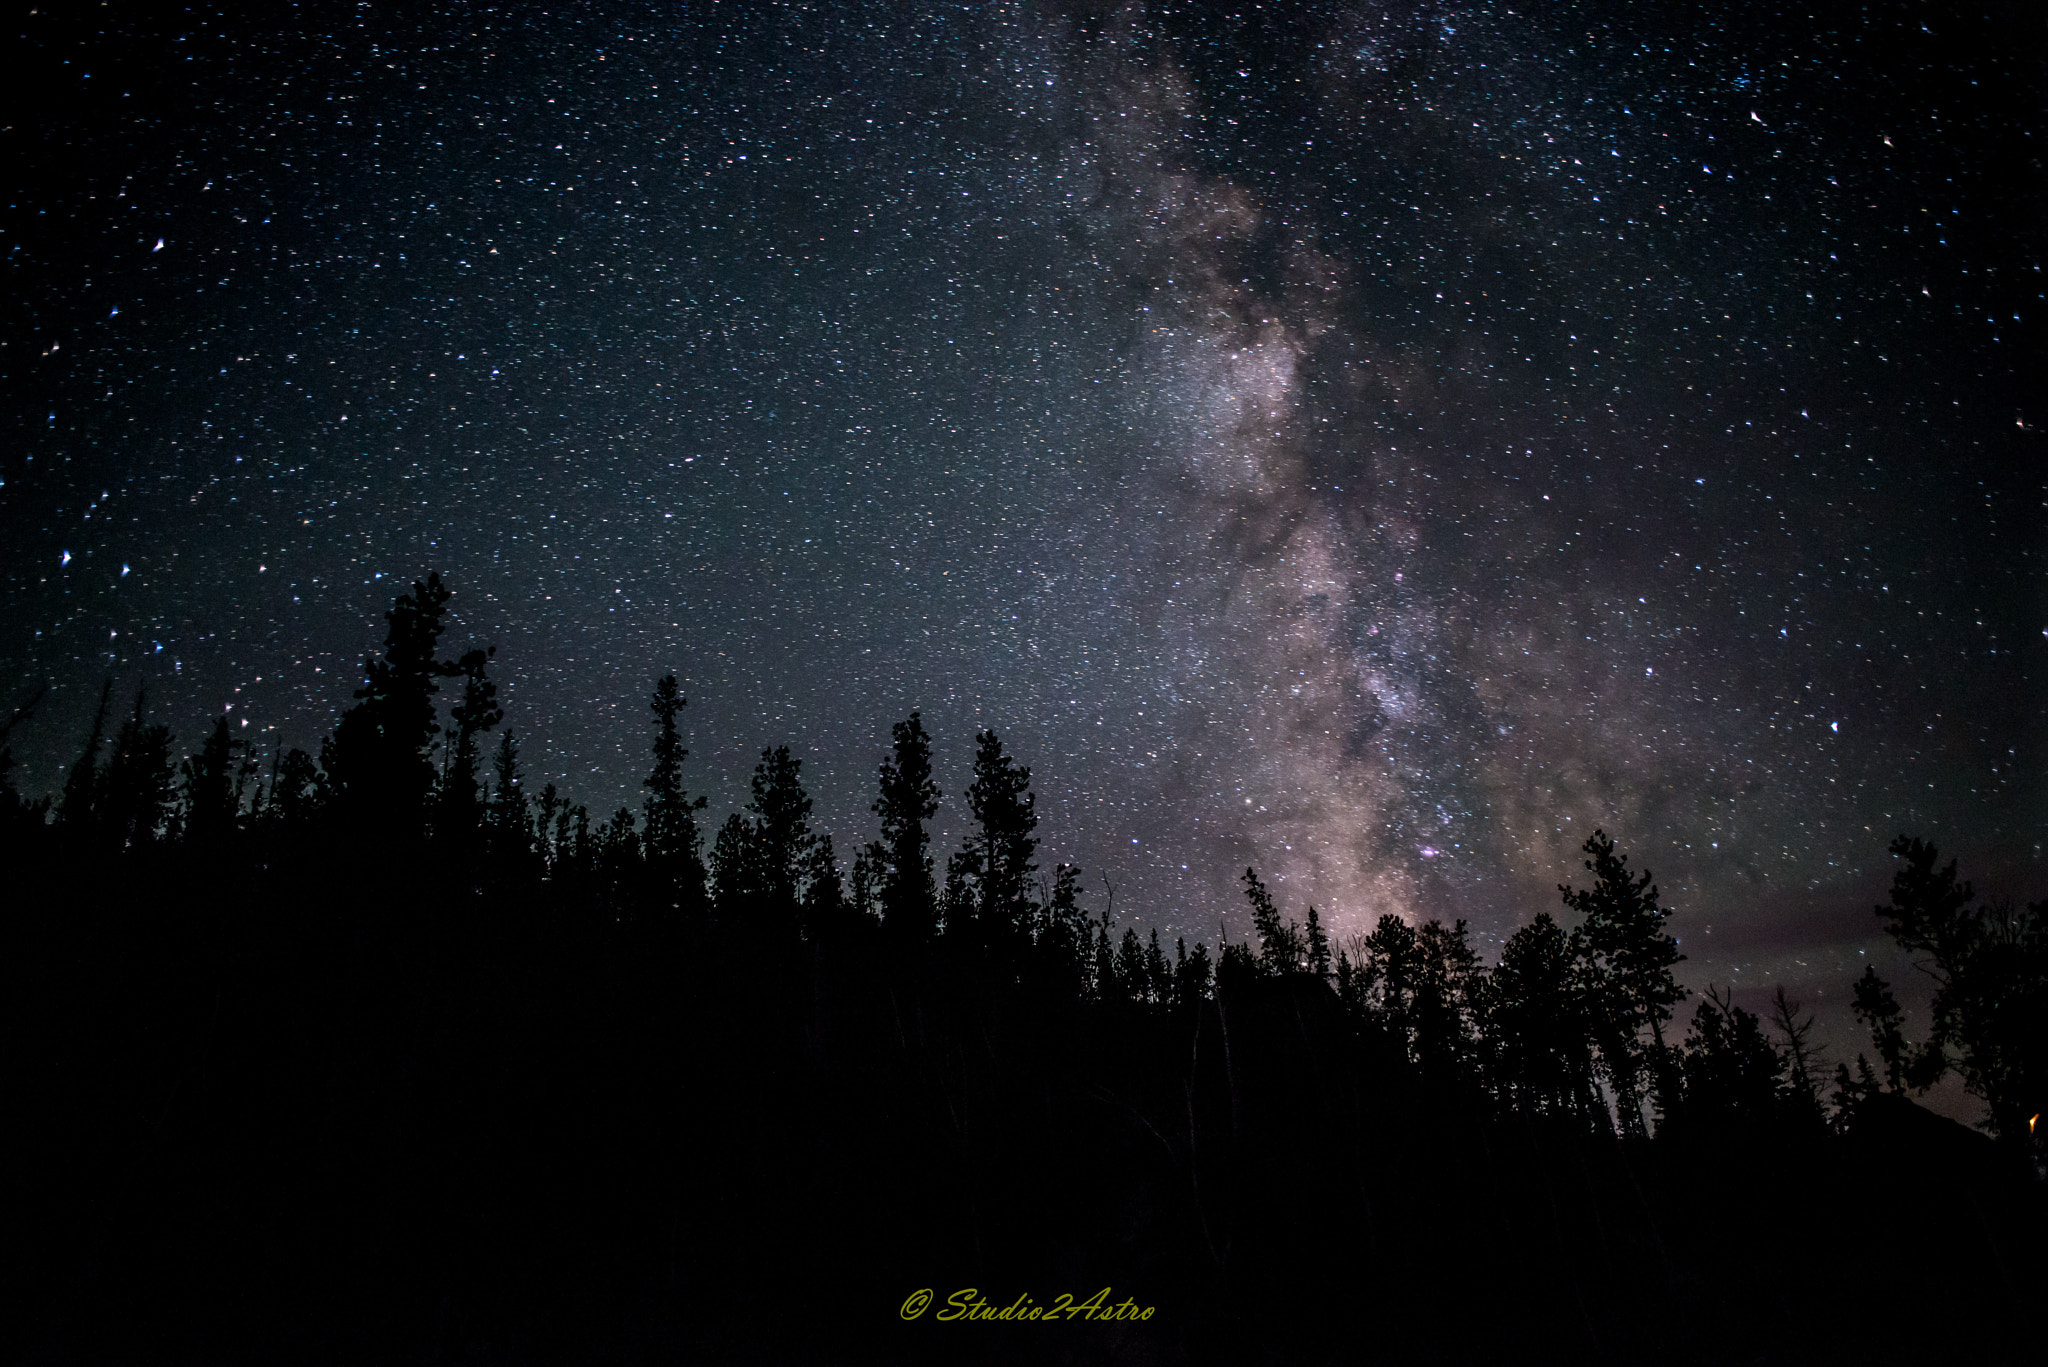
1380, 444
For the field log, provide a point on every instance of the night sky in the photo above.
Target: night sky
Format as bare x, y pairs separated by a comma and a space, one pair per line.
1377, 443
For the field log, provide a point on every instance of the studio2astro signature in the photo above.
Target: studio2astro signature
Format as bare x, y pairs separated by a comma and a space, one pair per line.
969, 1304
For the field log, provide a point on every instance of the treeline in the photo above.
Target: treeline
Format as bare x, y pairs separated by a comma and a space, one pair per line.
1570, 1021
896, 1070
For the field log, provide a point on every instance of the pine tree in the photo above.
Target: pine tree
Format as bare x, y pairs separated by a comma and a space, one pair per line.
78, 806
824, 904
294, 789
1535, 1023
1989, 962
378, 761
864, 883
780, 835
735, 884
908, 800
211, 805
1448, 979
1108, 988
459, 804
1629, 960
1802, 1058
616, 858
139, 783
508, 820
1001, 846
1391, 971
1191, 975
1731, 1071
18, 816
1879, 1011
1131, 978
1318, 946
1279, 945
1158, 975
674, 861
1064, 943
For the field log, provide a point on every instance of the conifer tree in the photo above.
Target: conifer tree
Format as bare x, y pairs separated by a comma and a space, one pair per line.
1629, 960
735, 884
1989, 963
675, 863
459, 804
824, 903
139, 783
508, 820
1065, 945
616, 858
545, 810
211, 801
1802, 1058
907, 801
1447, 987
77, 807
378, 761
1391, 973
1133, 982
1158, 974
1731, 1071
18, 815
1108, 988
1279, 945
1879, 1011
1536, 1025
1191, 973
1317, 947
780, 836
1001, 846
864, 883
294, 789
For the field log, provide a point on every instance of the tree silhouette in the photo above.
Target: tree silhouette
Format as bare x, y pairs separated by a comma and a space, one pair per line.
1802, 1059
675, 865
1445, 1007
1280, 948
908, 799
735, 881
1316, 946
825, 911
999, 849
1628, 960
1391, 971
1990, 968
1065, 944
1191, 975
139, 784
458, 804
78, 805
508, 819
780, 837
212, 805
18, 814
1536, 1022
1878, 1009
1731, 1071
378, 762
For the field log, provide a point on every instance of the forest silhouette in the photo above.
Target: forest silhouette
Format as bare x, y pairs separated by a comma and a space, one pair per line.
378, 1055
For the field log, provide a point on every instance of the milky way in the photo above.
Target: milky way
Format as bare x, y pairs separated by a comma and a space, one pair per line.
1378, 444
